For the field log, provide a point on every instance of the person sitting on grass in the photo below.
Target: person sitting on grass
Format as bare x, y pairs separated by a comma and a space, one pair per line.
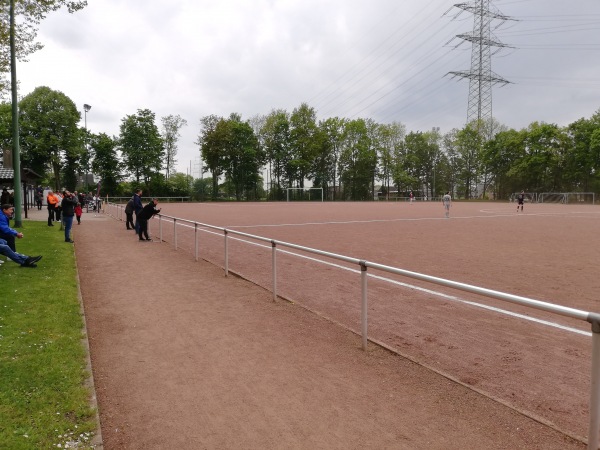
23, 260
7, 233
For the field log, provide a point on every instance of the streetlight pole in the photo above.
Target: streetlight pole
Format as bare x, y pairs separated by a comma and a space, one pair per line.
86, 108
15, 120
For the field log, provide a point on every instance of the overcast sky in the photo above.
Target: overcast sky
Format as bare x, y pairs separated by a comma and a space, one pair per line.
380, 59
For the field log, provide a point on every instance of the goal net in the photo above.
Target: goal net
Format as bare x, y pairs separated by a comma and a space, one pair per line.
530, 197
304, 194
566, 198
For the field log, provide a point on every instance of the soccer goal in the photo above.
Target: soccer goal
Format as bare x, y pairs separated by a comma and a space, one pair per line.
305, 194
530, 197
568, 198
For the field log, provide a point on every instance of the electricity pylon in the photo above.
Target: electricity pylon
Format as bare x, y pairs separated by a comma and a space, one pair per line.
481, 77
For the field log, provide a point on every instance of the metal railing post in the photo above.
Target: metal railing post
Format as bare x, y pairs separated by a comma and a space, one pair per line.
226, 253
594, 428
160, 228
175, 233
196, 240
363, 309
274, 267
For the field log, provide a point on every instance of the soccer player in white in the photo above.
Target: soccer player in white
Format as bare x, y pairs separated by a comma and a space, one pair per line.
447, 202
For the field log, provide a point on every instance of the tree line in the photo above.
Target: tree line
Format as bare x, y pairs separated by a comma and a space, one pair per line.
258, 158
361, 159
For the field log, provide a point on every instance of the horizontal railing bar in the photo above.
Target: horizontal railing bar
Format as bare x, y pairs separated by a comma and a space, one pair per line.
536, 304
516, 299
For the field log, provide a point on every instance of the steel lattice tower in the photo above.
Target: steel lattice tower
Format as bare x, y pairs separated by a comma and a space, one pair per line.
481, 77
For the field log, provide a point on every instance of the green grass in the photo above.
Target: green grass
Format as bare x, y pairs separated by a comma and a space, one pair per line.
43, 399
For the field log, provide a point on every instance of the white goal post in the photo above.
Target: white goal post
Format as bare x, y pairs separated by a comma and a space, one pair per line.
304, 194
568, 198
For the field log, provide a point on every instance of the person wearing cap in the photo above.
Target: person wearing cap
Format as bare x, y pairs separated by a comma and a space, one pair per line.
7, 233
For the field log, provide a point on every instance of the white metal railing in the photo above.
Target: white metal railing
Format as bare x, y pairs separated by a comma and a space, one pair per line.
591, 317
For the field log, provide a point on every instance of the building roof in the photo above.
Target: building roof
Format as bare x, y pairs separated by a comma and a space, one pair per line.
8, 174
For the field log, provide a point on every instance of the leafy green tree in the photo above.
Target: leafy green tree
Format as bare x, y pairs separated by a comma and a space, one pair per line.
582, 164
276, 134
422, 150
202, 189
180, 185
141, 146
50, 137
391, 139
303, 143
542, 161
243, 156
331, 132
171, 125
106, 163
213, 141
501, 156
28, 15
469, 146
5, 126
358, 161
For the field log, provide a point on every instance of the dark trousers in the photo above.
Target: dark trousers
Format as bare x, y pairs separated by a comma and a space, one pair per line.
50, 214
143, 223
129, 222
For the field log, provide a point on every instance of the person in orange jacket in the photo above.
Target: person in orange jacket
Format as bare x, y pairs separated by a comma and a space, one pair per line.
52, 201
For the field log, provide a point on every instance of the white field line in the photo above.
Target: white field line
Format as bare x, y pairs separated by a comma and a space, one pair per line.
411, 286
490, 215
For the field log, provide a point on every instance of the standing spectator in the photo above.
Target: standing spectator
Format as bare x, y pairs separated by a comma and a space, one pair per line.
23, 260
68, 208
411, 196
89, 199
78, 212
51, 201
38, 200
58, 208
81, 198
520, 200
137, 208
144, 216
6, 232
5, 196
129, 214
447, 202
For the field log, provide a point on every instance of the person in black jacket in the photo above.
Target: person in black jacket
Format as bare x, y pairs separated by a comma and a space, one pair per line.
144, 216
137, 208
129, 214
68, 204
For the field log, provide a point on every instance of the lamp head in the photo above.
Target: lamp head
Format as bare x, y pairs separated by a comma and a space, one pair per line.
86, 107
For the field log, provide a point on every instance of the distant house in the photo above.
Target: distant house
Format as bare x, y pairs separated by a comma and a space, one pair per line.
28, 180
